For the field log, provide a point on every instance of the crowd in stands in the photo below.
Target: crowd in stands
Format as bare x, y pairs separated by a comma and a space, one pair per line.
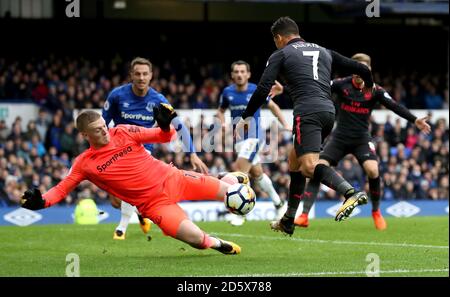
66, 84
412, 165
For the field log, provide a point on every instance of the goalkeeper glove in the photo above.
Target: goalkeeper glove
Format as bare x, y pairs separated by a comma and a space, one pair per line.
164, 114
32, 199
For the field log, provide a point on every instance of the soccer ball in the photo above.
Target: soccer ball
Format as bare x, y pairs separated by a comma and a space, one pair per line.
240, 199
234, 177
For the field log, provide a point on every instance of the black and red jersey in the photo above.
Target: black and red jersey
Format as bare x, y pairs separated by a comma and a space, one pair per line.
354, 107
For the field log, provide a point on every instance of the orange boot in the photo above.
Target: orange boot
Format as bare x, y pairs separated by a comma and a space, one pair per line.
378, 219
302, 220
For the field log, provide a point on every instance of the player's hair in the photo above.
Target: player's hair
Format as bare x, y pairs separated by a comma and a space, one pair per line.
284, 26
140, 61
240, 62
85, 118
360, 57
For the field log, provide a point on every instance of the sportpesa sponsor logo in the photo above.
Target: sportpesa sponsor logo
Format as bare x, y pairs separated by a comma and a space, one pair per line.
138, 116
238, 107
113, 159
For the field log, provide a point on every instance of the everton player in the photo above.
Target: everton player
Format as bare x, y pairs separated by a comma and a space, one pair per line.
118, 163
132, 104
306, 69
351, 136
235, 97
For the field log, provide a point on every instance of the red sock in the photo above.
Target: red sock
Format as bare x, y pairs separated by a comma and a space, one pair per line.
206, 242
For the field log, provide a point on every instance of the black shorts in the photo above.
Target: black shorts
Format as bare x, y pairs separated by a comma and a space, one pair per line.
338, 147
310, 131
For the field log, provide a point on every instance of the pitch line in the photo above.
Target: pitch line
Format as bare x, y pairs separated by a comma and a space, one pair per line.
410, 245
325, 273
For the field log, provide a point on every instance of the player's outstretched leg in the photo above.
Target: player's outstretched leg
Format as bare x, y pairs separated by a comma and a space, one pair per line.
191, 234
329, 177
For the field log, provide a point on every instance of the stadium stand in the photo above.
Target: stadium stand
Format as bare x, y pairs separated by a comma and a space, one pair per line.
413, 166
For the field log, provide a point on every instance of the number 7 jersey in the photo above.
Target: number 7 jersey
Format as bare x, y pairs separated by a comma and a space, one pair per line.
305, 68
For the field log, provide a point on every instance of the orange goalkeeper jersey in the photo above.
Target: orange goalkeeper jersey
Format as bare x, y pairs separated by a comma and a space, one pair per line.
123, 167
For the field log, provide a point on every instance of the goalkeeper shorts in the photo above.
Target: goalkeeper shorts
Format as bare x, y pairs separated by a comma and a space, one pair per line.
180, 185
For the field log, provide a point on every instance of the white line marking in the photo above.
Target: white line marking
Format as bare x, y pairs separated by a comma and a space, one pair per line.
396, 271
411, 245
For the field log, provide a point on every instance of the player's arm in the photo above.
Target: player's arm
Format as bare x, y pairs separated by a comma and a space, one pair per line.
276, 111
221, 115
277, 89
350, 66
185, 135
336, 85
109, 109
386, 100
149, 135
188, 145
165, 115
336, 88
266, 82
34, 200
223, 105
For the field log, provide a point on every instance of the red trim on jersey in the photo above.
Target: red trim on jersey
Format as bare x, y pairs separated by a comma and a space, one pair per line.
297, 127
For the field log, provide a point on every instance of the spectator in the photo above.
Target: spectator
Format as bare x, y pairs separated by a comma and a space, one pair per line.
67, 140
4, 131
432, 99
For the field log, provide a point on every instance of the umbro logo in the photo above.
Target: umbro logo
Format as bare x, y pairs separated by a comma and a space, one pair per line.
22, 217
403, 209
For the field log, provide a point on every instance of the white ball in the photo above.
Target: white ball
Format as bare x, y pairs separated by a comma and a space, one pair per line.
240, 199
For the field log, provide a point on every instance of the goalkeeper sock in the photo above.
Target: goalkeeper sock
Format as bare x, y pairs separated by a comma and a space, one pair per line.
209, 242
126, 211
266, 185
374, 188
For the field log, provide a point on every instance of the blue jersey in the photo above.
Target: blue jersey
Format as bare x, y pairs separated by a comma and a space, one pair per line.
237, 102
124, 107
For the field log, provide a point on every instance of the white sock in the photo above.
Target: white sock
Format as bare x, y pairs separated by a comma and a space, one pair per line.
266, 185
126, 211
215, 242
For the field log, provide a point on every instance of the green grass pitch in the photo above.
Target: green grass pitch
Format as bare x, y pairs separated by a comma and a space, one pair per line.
409, 247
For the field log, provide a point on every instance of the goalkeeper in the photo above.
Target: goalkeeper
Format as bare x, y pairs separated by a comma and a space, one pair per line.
118, 163
132, 104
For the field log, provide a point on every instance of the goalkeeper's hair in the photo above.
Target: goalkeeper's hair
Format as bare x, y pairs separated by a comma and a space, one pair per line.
140, 61
361, 57
284, 26
85, 118
240, 62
